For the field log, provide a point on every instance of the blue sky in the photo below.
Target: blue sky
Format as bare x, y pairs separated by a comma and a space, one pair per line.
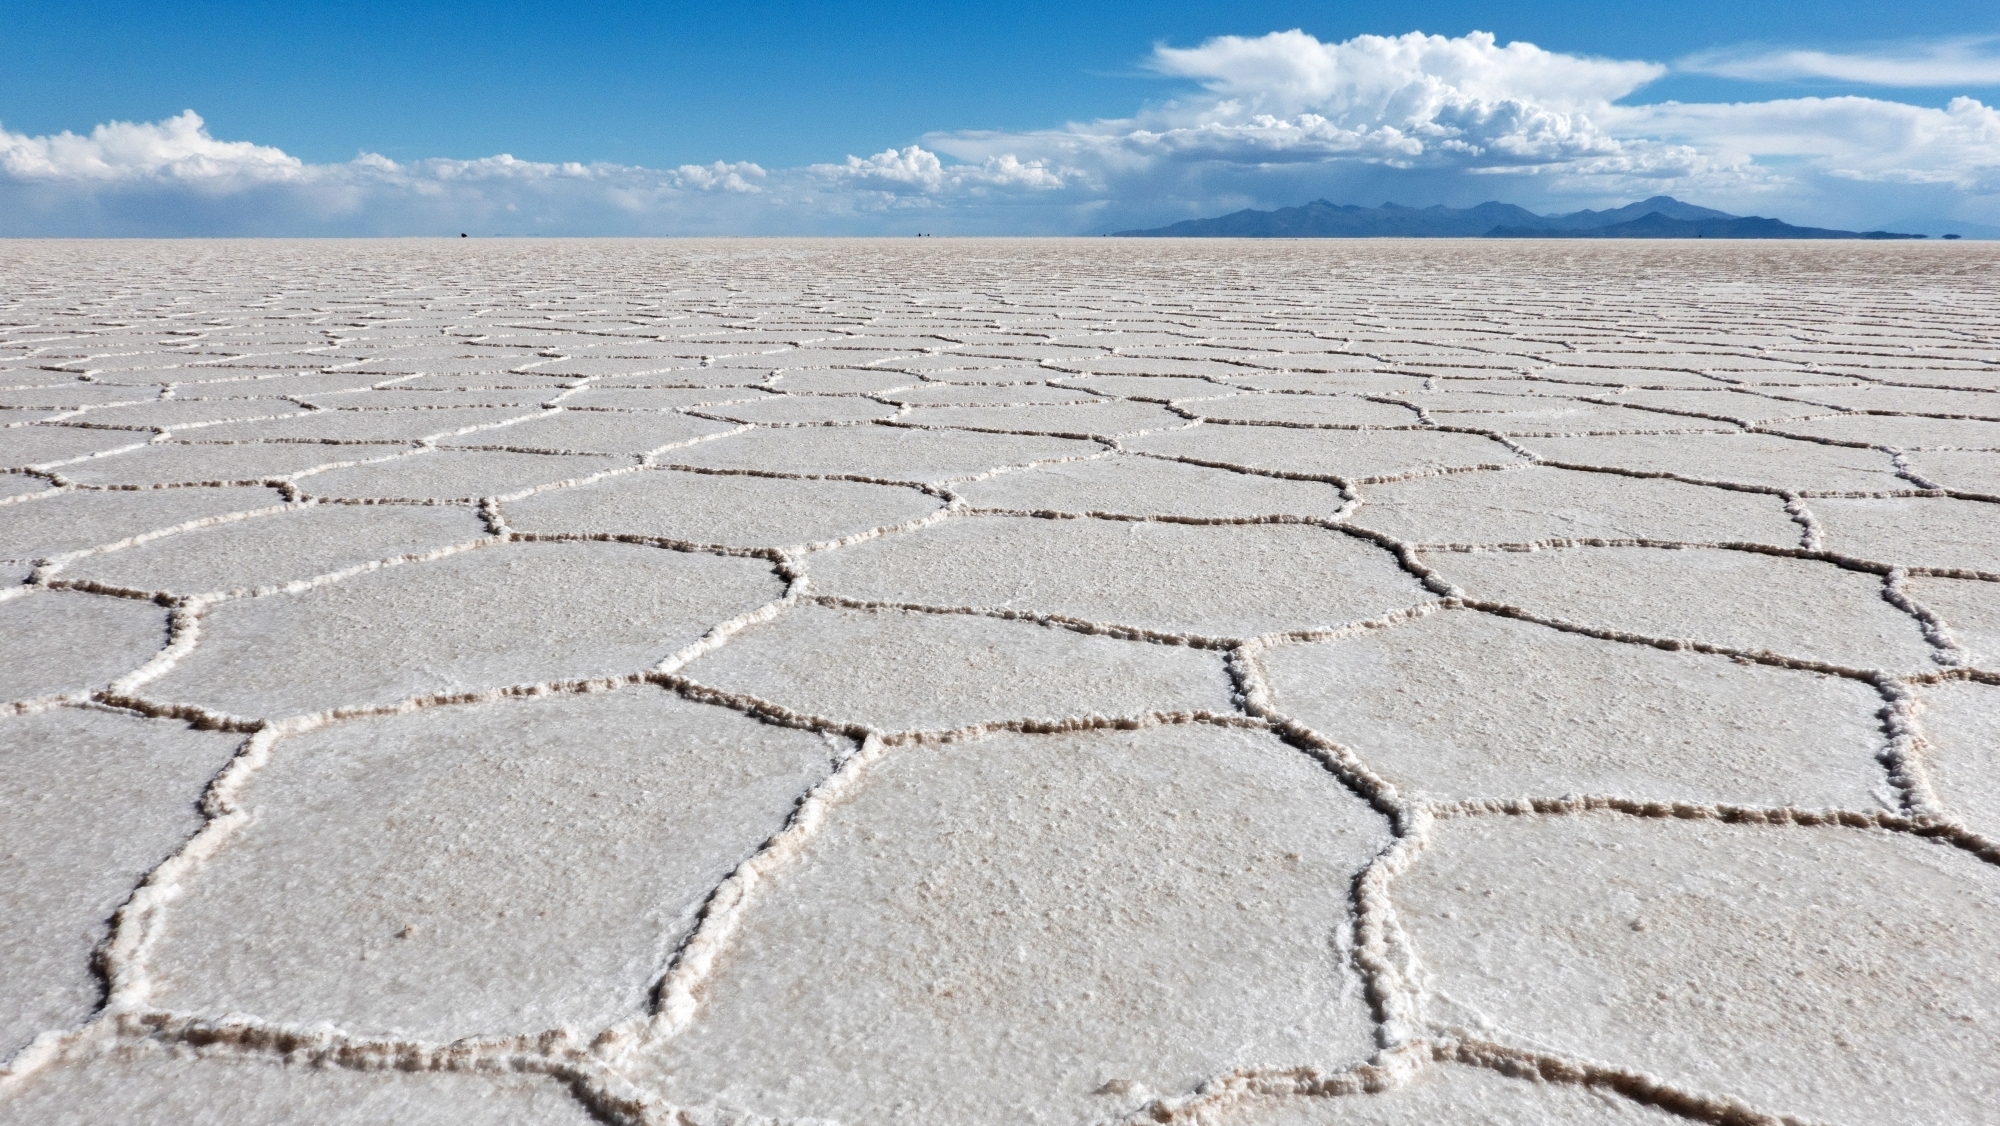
1028, 117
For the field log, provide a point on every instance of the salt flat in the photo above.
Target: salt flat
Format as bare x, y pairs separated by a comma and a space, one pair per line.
980, 682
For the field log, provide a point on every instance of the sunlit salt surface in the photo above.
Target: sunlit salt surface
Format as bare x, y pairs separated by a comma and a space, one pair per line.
967, 682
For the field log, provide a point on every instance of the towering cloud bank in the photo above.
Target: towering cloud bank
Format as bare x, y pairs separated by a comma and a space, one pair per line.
1261, 121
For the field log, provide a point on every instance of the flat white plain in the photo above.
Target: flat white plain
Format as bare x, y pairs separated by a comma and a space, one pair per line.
973, 682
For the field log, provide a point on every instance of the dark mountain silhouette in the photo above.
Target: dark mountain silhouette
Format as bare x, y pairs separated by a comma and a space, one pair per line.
1657, 225
1658, 217
1320, 219
1658, 205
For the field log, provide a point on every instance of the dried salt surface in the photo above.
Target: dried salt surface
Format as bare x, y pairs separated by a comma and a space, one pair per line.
1840, 975
1934, 532
1541, 505
60, 393
63, 643
62, 871
884, 453
993, 394
454, 475
1907, 433
1075, 419
1300, 410
402, 397
1444, 1094
1461, 706
804, 409
1908, 400
1139, 486
479, 620
898, 670
408, 874
187, 414
1961, 727
1697, 406
728, 508
838, 382
1299, 577
1344, 454
569, 432
72, 521
1278, 430
268, 551
1758, 460
1970, 610
196, 463
1152, 388
1973, 471
1746, 601
28, 447
14, 485
600, 397
366, 425
990, 931
154, 1088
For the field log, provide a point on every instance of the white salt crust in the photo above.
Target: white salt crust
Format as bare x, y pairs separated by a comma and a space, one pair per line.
1459, 706
65, 644
1111, 682
1713, 956
1452, 1093
61, 770
1969, 612
62, 523
1138, 486
1558, 506
454, 626
728, 508
1094, 956
1743, 601
159, 1088
898, 670
199, 463
407, 874
1079, 570
463, 475
274, 549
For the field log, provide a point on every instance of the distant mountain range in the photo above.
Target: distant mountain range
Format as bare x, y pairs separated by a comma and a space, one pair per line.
1658, 217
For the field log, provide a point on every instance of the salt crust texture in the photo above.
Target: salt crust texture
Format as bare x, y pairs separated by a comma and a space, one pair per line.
709, 683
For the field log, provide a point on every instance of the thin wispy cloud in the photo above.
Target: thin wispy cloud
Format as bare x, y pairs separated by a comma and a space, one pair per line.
1970, 62
1258, 121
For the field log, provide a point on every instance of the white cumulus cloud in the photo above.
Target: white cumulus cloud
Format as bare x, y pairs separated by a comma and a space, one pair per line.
1255, 121
1849, 137
1951, 62
178, 149
1407, 101
916, 169
1374, 77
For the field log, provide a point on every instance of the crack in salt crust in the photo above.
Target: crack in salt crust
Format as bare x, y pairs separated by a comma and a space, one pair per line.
1264, 387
